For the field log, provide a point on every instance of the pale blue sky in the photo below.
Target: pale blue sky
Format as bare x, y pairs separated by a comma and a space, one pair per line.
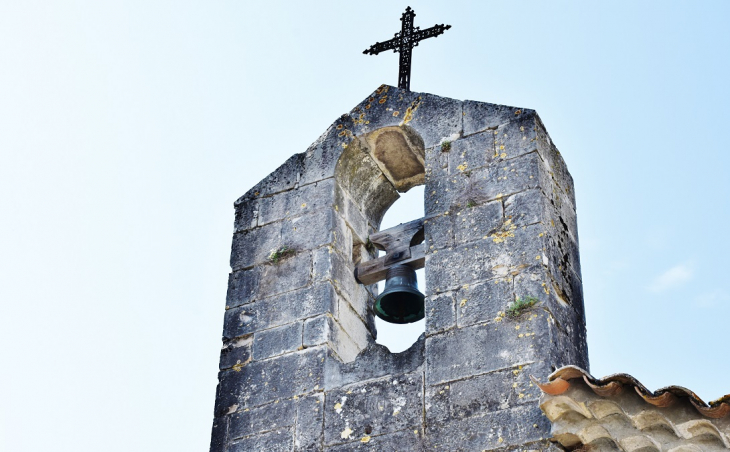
128, 129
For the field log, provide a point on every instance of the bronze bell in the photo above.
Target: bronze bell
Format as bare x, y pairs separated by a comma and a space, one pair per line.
400, 302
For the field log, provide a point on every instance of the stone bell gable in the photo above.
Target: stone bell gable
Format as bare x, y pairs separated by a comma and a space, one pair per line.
299, 368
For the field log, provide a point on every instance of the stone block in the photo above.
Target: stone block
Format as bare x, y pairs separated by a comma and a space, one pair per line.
439, 232
285, 177
289, 273
253, 247
479, 116
478, 349
497, 430
310, 421
236, 352
375, 361
388, 106
276, 341
305, 198
440, 192
517, 137
353, 324
297, 305
279, 415
440, 312
374, 408
503, 177
322, 156
242, 287
406, 440
554, 162
219, 434
240, 321
352, 213
496, 256
330, 265
246, 215
316, 229
437, 159
341, 343
436, 119
476, 221
316, 331
274, 441
482, 394
525, 208
278, 378
472, 152
482, 302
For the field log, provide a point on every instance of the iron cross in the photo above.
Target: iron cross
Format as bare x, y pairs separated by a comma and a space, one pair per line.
404, 42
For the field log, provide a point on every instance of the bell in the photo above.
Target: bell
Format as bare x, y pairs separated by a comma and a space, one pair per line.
400, 302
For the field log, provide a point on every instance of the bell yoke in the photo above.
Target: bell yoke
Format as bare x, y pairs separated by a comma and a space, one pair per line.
401, 301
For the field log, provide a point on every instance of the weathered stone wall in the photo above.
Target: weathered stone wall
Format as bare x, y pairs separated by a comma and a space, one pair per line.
299, 366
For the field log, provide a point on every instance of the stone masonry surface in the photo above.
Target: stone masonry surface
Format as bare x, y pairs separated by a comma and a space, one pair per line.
299, 367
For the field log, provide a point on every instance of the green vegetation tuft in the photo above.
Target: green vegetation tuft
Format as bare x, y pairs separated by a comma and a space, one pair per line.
520, 305
446, 146
279, 253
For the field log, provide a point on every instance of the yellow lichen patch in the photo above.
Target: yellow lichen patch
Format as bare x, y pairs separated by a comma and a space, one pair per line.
365, 439
500, 440
383, 99
502, 155
506, 232
238, 366
338, 406
346, 433
500, 316
304, 204
517, 327
463, 303
410, 111
462, 167
517, 112
396, 113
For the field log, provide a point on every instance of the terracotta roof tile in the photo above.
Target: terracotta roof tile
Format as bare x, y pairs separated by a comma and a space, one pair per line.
619, 413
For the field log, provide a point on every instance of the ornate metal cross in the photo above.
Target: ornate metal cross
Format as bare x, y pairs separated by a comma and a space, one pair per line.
404, 42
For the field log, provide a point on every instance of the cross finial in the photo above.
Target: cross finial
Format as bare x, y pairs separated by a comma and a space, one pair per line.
404, 42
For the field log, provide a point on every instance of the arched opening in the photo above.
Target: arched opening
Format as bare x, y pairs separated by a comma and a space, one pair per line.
400, 337
374, 171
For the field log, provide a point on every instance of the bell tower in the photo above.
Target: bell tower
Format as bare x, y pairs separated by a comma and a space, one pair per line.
299, 367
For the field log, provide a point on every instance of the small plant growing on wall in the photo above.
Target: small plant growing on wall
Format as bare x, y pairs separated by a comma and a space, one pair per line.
471, 203
279, 253
520, 305
446, 146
